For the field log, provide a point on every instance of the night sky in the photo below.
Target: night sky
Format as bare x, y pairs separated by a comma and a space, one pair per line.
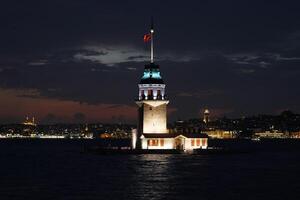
71, 60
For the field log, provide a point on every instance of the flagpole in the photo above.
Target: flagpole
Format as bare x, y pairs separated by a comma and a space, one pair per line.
152, 31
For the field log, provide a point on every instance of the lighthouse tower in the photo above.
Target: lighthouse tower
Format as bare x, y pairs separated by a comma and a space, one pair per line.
152, 133
152, 101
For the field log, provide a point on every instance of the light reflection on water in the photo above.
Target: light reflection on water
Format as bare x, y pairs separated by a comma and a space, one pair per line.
58, 170
151, 180
165, 176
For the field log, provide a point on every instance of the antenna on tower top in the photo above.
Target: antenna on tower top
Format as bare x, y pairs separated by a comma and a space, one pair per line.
152, 32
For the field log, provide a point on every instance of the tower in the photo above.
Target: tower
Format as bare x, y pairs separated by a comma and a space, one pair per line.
152, 133
152, 101
206, 116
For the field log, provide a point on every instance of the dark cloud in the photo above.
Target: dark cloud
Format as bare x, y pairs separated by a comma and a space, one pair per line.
137, 57
233, 56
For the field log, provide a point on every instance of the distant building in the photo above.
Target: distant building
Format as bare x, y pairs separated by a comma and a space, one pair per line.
87, 134
295, 134
270, 134
105, 135
152, 132
206, 116
29, 128
29, 122
221, 134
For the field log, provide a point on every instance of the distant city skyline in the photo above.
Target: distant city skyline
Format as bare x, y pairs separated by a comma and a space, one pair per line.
66, 61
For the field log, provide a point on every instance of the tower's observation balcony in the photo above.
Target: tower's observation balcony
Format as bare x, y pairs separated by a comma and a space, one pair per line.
152, 92
152, 97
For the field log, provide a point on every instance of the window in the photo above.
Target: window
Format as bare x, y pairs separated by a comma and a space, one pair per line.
162, 142
198, 142
158, 94
192, 142
142, 94
204, 142
152, 142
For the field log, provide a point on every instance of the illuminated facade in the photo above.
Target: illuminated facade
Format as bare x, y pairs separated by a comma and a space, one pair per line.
174, 141
221, 134
152, 132
152, 104
206, 116
152, 101
29, 122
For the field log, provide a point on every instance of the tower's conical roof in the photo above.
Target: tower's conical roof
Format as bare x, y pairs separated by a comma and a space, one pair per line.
151, 75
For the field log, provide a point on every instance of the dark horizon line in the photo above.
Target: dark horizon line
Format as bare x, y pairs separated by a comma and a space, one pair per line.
130, 123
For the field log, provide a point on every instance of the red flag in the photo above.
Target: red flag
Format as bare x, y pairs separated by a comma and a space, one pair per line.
147, 37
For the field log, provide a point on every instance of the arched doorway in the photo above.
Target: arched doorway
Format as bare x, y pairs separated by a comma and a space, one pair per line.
179, 143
